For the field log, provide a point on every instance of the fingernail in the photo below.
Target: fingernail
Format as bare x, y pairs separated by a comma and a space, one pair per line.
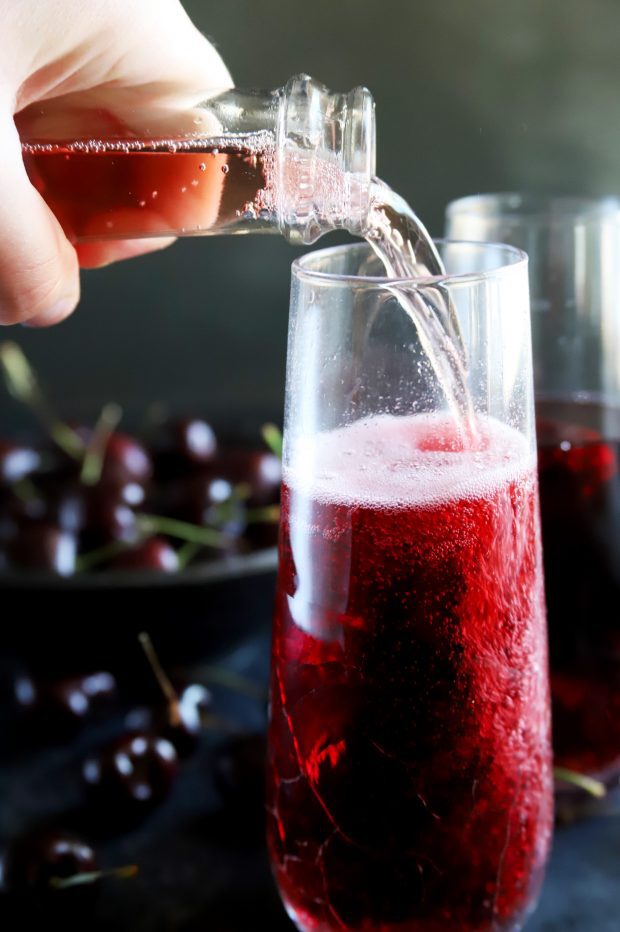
57, 312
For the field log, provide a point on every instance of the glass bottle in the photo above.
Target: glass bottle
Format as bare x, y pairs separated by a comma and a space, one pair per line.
297, 160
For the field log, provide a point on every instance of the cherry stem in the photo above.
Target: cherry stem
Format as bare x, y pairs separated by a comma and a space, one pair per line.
594, 787
183, 530
23, 385
187, 552
272, 435
78, 880
94, 453
91, 559
160, 674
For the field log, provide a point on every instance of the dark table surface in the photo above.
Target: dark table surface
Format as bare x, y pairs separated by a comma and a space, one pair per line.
203, 866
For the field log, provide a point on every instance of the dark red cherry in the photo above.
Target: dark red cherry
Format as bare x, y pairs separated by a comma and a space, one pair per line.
181, 722
66, 705
42, 546
109, 517
184, 445
125, 460
36, 862
152, 554
259, 470
194, 440
16, 462
239, 771
131, 776
66, 505
207, 500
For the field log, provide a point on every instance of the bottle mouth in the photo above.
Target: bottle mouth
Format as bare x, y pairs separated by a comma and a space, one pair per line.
325, 159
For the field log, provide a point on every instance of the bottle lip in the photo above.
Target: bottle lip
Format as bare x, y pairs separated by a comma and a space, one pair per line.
506, 258
360, 143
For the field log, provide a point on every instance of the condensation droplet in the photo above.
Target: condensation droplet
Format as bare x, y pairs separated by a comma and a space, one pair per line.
183, 189
142, 203
194, 183
154, 194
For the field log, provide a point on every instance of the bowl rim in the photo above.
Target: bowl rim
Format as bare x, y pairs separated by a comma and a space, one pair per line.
235, 566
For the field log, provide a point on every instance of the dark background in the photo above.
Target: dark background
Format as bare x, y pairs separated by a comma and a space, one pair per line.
471, 96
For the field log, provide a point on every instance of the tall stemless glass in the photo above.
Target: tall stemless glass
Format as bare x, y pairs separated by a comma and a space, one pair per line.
574, 250
409, 782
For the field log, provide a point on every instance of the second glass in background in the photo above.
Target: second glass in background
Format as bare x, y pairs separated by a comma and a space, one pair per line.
574, 250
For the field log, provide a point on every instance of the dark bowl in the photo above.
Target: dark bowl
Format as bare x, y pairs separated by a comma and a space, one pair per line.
92, 620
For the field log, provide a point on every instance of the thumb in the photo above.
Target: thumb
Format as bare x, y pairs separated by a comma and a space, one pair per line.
39, 276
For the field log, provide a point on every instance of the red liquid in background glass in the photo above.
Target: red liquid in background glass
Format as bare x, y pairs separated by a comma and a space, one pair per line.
580, 509
156, 187
409, 763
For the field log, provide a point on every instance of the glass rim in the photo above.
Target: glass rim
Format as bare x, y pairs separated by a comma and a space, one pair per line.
300, 267
529, 207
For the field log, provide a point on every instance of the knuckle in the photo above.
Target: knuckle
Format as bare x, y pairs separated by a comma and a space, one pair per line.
32, 290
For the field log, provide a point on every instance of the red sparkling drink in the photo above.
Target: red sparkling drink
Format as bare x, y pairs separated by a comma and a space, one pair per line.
409, 763
579, 473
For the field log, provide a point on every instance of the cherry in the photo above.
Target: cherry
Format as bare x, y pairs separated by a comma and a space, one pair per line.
239, 771
125, 460
36, 863
194, 440
65, 705
181, 721
260, 470
109, 515
67, 506
152, 554
180, 718
186, 444
16, 462
42, 546
207, 499
131, 776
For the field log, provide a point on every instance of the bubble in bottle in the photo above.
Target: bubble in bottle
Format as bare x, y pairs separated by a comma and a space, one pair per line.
202, 167
224, 169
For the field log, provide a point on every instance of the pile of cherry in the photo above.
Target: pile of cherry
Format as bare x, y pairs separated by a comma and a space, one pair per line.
149, 509
52, 870
89, 498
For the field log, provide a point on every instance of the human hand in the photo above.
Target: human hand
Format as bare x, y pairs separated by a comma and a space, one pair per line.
117, 54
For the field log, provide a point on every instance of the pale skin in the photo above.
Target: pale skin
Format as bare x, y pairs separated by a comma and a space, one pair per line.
116, 54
